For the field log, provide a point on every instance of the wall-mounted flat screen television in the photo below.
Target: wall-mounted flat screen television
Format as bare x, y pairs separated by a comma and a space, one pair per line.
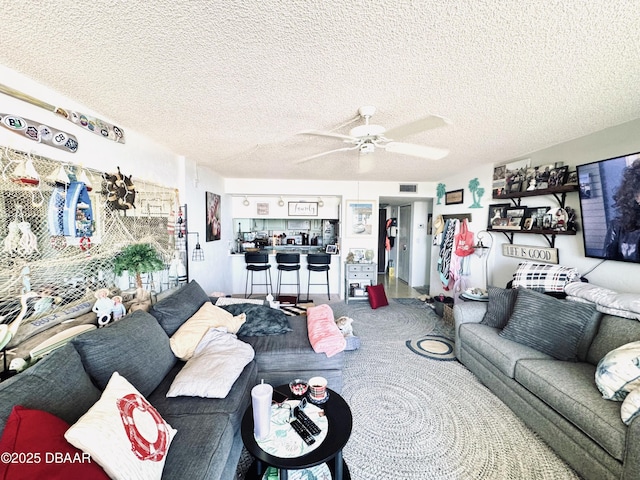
610, 208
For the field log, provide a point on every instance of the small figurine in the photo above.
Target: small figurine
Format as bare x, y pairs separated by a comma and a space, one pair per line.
118, 309
103, 306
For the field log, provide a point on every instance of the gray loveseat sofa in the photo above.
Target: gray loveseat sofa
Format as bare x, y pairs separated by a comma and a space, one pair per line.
208, 444
557, 398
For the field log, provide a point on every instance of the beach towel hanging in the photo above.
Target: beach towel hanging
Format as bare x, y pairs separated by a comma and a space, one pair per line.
446, 250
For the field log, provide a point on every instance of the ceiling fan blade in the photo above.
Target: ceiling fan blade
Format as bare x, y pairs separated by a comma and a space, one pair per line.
344, 149
420, 125
422, 151
321, 133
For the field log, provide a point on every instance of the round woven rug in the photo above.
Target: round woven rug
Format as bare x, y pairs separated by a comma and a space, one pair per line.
436, 347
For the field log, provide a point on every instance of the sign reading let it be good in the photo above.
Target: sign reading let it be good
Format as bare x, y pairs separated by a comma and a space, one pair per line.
527, 252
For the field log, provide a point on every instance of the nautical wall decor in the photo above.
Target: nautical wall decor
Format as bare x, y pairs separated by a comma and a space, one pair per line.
93, 124
39, 132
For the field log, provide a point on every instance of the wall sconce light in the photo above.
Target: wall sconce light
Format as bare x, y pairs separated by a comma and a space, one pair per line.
198, 253
281, 202
246, 202
320, 202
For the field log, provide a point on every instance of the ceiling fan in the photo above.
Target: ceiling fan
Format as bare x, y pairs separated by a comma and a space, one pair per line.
366, 138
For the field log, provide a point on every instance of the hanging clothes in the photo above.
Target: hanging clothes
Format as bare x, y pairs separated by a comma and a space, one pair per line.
446, 252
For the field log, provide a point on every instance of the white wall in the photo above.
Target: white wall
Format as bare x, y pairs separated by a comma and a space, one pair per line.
611, 142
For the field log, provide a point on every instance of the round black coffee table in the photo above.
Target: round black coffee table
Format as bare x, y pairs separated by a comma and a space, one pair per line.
340, 423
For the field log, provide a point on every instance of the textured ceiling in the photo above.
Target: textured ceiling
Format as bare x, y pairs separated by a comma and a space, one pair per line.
229, 84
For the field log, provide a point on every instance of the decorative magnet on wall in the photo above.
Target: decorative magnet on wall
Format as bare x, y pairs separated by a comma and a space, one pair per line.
476, 191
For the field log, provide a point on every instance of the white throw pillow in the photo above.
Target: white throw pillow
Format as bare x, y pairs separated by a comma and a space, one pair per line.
215, 366
123, 433
186, 339
630, 408
618, 372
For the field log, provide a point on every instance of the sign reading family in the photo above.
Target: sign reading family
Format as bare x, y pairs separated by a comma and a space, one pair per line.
527, 252
303, 209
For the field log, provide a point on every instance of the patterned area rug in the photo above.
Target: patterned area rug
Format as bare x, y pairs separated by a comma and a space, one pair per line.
292, 310
435, 347
419, 419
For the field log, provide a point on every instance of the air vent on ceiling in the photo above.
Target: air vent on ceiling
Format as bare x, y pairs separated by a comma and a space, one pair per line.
406, 187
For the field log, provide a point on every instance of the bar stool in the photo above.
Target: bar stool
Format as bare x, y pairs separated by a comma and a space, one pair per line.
318, 262
257, 262
288, 262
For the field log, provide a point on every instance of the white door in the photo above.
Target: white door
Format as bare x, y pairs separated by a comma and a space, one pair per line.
404, 243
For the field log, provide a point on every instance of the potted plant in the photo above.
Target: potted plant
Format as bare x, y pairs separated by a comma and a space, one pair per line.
138, 258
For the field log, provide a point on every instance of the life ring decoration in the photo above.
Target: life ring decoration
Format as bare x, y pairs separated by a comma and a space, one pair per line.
142, 448
85, 243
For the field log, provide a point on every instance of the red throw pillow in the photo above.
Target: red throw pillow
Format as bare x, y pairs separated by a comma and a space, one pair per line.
33, 446
377, 297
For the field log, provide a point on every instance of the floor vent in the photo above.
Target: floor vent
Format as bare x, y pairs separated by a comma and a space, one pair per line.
405, 187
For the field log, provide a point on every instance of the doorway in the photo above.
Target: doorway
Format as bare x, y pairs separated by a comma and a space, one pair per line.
403, 270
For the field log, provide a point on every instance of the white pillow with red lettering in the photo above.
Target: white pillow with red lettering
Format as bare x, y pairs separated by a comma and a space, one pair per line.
123, 433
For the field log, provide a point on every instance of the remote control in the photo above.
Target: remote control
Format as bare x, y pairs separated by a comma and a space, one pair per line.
306, 421
304, 434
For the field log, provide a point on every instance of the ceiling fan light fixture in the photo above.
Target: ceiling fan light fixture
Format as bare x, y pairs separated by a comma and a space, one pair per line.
367, 148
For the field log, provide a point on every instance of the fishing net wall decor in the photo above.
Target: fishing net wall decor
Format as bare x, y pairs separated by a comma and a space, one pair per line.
61, 225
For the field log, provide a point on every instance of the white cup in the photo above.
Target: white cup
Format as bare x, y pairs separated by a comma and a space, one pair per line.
317, 388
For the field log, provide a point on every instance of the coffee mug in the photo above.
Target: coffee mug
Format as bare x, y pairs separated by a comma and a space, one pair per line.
317, 388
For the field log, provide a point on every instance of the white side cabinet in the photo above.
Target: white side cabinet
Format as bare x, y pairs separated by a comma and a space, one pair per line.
357, 277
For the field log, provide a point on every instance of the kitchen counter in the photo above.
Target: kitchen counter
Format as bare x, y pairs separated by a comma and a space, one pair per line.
301, 249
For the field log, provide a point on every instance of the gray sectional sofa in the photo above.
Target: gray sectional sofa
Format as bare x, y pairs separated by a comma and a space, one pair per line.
208, 444
557, 398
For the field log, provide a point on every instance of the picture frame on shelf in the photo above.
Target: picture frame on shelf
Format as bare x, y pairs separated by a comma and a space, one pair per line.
536, 214
558, 177
515, 175
497, 215
331, 249
515, 217
498, 182
528, 223
572, 178
543, 172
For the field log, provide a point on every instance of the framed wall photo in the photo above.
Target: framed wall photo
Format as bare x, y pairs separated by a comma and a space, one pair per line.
360, 218
454, 197
558, 176
212, 210
262, 208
